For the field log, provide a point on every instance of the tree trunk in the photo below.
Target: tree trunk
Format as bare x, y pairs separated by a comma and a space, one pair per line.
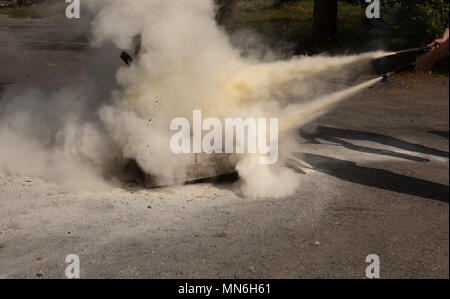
325, 20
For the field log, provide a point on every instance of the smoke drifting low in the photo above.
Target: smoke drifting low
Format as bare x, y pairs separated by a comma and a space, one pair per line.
187, 62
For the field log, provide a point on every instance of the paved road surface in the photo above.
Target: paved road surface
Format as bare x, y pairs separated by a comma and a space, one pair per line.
380, 187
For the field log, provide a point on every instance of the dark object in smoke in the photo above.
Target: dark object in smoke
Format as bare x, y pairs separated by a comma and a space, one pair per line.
126, 57
137, 42
398, 61
217, 166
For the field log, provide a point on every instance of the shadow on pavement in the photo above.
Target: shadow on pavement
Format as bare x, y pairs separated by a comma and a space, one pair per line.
378, 178
333, 135
443, 134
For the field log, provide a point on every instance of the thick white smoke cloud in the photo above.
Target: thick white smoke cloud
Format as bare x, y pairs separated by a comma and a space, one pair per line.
49, 136
187, 62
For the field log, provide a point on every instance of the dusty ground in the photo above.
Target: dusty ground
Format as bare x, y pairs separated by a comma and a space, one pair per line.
380, 187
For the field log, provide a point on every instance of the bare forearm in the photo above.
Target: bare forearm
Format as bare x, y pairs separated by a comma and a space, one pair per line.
443, 50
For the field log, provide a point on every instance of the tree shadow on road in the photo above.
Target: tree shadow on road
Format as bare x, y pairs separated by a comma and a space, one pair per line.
443, 134
334, 135
378, 178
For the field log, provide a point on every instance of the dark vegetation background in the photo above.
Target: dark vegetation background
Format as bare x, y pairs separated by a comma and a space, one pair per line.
403, 23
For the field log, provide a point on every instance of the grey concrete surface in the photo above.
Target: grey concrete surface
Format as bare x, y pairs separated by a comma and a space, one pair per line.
380, 187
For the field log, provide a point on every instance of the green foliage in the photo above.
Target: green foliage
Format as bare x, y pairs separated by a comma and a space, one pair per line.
409, 23
403, 23
40, 8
